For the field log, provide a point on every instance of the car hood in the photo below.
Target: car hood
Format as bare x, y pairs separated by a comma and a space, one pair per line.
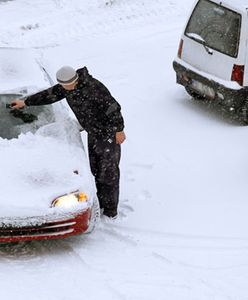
36, 169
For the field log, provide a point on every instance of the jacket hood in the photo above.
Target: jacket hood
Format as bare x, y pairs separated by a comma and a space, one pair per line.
84, 75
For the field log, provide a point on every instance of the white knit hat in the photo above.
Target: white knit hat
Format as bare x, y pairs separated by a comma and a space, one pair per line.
66, 75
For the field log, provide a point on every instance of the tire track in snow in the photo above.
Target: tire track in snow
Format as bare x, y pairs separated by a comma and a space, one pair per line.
148, 271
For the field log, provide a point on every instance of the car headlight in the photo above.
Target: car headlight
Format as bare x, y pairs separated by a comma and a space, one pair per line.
70, 200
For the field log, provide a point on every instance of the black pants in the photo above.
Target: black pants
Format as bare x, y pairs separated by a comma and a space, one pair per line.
104, 155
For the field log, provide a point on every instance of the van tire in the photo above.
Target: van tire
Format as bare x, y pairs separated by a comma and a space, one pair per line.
243, 114
194, 94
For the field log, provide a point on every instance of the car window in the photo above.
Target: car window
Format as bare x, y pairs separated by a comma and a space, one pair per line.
216, 26
14, 122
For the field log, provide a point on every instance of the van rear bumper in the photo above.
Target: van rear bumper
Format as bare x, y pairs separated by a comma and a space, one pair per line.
233, 96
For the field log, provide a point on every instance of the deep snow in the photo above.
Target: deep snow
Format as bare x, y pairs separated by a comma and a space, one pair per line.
182, 231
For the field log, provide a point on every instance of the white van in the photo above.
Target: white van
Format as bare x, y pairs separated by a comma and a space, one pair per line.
212, 61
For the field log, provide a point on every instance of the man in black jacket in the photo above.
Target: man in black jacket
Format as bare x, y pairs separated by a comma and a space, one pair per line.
100, 115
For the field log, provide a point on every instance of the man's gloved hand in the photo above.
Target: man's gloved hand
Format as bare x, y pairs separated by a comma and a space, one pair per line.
15, 109
120, 137
17, 104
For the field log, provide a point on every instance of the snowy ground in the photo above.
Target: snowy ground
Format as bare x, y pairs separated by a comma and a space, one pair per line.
182, 231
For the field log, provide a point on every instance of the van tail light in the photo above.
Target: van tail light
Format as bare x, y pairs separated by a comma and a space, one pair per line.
238, 74
180, 49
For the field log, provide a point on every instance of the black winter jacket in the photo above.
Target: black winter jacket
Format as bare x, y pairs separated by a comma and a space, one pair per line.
96, 110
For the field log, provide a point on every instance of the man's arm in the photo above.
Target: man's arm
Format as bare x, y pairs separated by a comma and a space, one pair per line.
114, 114
112, 109
48, 96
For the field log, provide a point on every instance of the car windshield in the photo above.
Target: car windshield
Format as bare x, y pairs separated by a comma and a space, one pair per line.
215, 26
14, 122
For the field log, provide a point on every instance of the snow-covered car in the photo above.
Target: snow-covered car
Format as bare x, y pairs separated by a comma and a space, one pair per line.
212, 61
46, 188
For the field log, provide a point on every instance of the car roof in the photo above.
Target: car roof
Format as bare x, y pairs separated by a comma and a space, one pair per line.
19, 68
240, 5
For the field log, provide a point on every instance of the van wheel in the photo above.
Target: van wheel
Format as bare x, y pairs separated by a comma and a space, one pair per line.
194, 94
243, 114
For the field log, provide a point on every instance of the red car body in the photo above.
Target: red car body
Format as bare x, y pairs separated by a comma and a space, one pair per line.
52, 229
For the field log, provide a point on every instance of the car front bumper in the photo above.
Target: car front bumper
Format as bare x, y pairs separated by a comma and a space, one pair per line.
47, 228
218, 90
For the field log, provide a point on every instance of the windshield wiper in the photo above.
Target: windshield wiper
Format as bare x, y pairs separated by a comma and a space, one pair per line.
201, 40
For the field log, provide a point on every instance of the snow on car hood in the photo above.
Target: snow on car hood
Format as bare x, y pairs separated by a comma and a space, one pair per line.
36, 169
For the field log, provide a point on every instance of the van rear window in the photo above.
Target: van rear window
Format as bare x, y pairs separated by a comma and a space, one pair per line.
216, 27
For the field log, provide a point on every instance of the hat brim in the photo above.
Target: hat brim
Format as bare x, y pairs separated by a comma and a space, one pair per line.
68, 82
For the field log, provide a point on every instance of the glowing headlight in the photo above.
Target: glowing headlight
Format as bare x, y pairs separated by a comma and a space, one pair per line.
70, 200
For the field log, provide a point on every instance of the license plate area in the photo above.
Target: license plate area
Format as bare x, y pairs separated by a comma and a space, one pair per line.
203, 89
